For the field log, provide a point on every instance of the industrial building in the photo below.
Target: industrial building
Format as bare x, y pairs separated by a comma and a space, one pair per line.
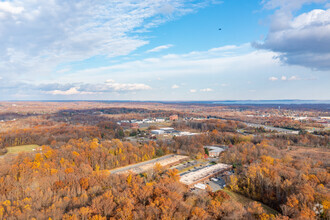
200, 175
215, 151
157, 132
165, 161
163, 131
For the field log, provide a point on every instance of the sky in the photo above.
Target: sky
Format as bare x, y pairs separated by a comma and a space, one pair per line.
164, 50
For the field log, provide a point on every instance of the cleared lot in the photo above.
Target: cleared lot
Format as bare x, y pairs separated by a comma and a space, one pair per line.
13, 151
245, 201
20, 149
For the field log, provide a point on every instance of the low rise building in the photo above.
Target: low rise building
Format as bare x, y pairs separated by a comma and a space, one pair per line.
203, 174
167, 130
215, 151
165, 161
157, 132
200, 186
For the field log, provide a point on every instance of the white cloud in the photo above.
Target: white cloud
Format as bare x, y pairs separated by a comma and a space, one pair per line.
189, 64
65, 70
273, 78
293, 78
302, 40
110, 81
36, 35
206, 90
71, 91
92, 89
192, 90
224, 48
121, 87
8, 7
160, 48
235, 69
285, 78
288, 5
175, 86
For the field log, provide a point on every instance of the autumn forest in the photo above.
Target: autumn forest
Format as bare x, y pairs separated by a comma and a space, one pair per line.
57, 160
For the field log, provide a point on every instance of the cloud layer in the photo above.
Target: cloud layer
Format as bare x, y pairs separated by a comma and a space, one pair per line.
285, 78
38, 35
91, 89
302, 40
224, 67
68, 49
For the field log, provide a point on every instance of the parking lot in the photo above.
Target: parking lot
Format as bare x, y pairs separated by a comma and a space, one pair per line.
216, 183
191, 166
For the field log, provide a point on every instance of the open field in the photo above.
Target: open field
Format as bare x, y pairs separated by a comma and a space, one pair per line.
245, 201
21, 149
316, 154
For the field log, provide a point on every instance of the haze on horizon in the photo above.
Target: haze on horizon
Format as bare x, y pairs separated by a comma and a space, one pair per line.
164, 50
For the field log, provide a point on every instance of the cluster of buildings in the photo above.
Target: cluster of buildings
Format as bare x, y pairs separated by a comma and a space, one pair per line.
171, 131
165, 161
134, 123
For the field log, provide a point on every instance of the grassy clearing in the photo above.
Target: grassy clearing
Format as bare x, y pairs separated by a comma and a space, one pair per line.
245, 201
22, 148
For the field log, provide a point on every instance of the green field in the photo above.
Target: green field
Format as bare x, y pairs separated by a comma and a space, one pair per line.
21, 149
245, 201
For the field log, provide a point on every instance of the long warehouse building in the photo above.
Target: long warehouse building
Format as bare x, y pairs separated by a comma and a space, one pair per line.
165, 161
203, 174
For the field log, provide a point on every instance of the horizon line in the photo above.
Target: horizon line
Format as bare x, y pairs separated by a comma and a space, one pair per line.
123, 100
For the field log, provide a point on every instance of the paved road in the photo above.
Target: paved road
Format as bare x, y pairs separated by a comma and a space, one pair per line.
124, 169
282, 130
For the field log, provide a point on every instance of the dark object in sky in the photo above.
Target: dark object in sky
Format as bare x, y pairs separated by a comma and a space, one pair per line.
219, 29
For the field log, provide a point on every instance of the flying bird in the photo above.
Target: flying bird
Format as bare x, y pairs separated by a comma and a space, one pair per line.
219, 29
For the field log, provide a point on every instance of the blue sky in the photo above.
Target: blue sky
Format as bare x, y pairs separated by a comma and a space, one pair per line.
164, 50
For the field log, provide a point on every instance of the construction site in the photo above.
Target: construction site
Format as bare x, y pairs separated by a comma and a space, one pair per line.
203, 174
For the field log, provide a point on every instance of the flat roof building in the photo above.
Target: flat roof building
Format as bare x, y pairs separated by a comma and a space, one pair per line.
203, 174
167, 129
165, 161
215, 151
157, 132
